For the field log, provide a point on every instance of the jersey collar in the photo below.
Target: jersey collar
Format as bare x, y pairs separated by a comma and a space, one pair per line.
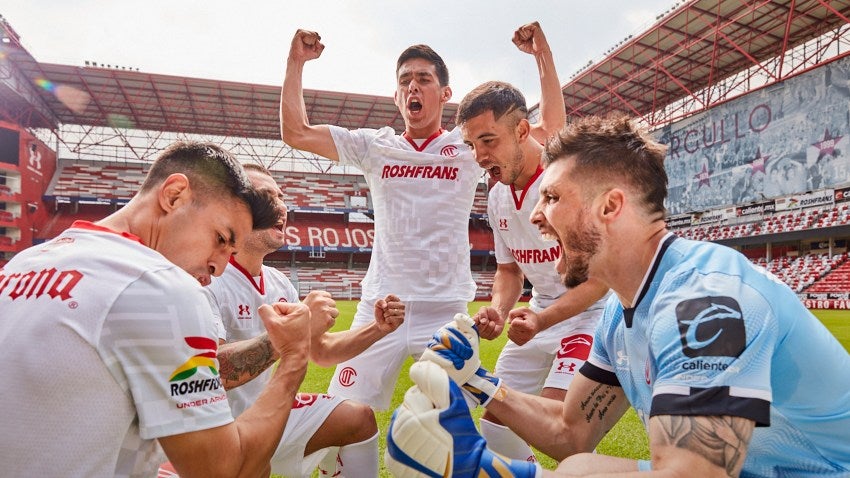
90, 226
518, 202
628, 314
424, 143
261, 287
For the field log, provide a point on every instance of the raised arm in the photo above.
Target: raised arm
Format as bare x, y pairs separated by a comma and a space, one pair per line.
525, 323
242, 361
295, 127
245, 447
507, 288
332, 348
553, 112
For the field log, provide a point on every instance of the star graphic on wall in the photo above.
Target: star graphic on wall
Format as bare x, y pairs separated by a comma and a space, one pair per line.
758, 163
704, 176
827, 144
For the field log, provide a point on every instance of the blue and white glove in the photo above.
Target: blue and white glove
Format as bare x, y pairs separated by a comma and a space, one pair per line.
432, 434
455, 348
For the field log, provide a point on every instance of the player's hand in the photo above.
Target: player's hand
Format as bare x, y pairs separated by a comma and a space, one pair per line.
323, 311
389, 313
306, 46
489, 322
432, 434
530, 39
455, 348
288, 327
525, 324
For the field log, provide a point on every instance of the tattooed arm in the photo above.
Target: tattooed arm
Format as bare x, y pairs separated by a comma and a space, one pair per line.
700, 445
242, 361
560, 429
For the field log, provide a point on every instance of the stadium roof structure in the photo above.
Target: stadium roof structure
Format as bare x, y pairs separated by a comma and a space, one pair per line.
703, 52
697, 54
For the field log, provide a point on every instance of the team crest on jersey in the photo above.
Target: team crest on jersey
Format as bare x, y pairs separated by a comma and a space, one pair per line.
347, 376
450, 151
711, 327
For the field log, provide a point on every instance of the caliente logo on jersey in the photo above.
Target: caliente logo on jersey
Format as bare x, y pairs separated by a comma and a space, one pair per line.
711, 326
206, 358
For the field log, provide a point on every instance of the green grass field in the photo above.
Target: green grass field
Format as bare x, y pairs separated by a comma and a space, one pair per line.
627, 439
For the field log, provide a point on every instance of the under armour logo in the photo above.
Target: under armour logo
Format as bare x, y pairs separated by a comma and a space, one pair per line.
244, 309
571, 367
711, 326
503, 224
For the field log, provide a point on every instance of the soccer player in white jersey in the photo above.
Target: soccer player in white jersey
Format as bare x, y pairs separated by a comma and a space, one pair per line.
729, 372
106, 342
422, 184
551, 338
317, 421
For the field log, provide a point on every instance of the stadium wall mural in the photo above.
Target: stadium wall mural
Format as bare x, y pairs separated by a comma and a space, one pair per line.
790, 138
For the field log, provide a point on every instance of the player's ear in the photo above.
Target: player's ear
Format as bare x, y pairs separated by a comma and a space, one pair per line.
523, 130
612, 204
174, 192
447, 94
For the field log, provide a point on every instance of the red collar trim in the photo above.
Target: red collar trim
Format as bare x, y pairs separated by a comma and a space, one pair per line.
261, 287
94, 227
518, 202
425, 143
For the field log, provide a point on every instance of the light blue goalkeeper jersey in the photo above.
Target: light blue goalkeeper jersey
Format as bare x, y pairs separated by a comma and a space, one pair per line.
713, 334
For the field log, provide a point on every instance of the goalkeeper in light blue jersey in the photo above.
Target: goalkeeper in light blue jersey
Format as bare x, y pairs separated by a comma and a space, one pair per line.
730, 374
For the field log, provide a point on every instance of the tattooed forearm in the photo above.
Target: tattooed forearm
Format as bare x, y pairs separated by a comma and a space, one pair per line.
598, 402
721, 440
242, 361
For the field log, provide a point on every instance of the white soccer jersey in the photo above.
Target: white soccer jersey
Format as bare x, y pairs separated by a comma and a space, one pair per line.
422, 198
517, 240
104, 346
236, 297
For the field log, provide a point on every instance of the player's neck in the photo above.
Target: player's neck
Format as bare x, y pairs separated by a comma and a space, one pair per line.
625, 275
531, 165
251, 261
422, 133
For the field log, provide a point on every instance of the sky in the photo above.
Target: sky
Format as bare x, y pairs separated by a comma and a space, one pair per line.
248, 41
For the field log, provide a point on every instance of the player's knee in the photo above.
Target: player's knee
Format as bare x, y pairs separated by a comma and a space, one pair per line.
361, 421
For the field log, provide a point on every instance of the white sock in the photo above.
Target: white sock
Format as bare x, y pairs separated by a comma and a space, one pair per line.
329, 466
505, 442
359, 459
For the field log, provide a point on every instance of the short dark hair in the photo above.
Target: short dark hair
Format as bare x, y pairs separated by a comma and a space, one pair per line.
497, 96
257, 168
613, 151
426, 53
211, 171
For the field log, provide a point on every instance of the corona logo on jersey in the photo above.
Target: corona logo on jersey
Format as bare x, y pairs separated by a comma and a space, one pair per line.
206, 358
36, 284
711, 327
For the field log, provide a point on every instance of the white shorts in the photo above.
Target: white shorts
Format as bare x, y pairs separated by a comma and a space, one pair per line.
371, 377
309, 412
550, 359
